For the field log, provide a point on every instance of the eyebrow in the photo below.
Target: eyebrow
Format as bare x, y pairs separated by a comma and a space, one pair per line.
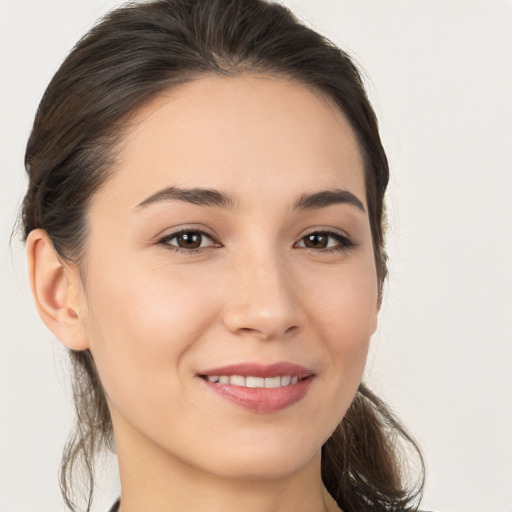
216, 198
199, 196
327, 198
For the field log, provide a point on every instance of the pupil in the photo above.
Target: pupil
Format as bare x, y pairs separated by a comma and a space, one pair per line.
189, 240
316, 241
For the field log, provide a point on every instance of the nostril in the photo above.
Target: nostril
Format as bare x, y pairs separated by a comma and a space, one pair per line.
291, 329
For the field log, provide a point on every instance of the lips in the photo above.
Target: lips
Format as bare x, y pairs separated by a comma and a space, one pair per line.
260, 388
261, 370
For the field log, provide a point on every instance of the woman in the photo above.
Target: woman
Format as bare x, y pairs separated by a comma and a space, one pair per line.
204, 227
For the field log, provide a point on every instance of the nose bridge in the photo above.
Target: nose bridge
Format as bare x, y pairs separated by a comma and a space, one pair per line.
263, 301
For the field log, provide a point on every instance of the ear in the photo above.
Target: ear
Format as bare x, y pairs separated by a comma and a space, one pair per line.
57, 290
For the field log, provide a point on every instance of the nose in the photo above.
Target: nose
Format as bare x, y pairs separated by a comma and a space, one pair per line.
262, 299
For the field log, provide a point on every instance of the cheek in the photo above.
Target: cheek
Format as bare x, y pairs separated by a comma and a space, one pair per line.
343, 308
140, 329
346, 306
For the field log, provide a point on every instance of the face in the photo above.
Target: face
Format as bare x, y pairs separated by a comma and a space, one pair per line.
230, 288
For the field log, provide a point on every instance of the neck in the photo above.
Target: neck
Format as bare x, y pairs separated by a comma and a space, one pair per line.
152, 481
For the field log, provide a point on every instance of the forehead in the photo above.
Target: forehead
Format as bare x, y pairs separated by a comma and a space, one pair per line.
238, 134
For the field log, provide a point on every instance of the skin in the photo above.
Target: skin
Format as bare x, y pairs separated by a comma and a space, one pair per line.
155, 316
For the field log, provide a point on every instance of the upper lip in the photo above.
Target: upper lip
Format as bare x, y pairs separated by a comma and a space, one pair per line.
261, 370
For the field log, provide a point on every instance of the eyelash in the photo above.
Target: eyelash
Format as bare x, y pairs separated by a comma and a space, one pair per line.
344, 243
166, 240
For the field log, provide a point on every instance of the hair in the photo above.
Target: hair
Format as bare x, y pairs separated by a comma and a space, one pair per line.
131, 56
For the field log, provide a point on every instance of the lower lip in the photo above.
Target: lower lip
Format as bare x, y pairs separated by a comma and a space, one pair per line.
262, 399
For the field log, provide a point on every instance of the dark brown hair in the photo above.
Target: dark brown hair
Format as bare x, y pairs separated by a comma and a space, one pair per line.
132, 55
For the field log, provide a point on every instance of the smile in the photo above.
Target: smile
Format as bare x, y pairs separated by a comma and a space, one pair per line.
254, 382
260, 388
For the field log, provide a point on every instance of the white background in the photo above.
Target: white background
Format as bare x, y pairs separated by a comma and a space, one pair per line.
440, 77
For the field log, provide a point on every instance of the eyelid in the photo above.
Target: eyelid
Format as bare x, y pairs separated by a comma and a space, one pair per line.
185, 228
164, 239
345, 242
343, 238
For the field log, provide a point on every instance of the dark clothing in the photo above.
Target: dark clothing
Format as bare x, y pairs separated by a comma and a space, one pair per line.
115, 507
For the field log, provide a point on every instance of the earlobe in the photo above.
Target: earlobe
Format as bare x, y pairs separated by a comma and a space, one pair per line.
55, 286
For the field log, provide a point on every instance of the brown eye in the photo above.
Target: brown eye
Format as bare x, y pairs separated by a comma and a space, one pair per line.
188, 240
325, 240
316, 241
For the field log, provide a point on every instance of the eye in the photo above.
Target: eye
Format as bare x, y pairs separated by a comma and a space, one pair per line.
325, 240
188, 240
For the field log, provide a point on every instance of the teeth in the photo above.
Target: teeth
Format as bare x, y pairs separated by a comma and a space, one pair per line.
237, 380
273, 382
254, 382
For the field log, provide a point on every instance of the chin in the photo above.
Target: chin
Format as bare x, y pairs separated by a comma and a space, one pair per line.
261, 460
261, 470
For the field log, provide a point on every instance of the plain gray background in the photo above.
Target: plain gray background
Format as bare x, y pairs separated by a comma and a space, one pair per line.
439, 73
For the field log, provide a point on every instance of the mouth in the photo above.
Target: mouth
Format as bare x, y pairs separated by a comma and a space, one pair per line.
260, 388
252, 381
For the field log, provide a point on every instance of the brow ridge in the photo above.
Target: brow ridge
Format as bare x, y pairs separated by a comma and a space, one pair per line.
215, 198
326, 198
196, 195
